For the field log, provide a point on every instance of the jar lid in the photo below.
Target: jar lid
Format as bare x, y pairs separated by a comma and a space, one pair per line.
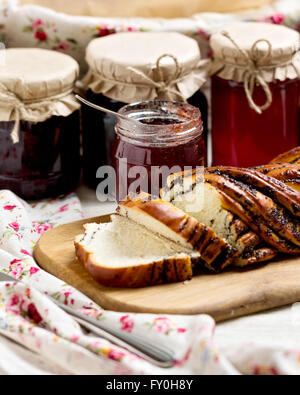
256, 53
36, 84
140, 66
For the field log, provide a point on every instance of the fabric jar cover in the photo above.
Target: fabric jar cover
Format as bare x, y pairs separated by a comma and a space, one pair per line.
36, 84
140, 66
256, 54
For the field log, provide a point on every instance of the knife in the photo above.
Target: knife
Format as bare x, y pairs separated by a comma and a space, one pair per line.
156, 354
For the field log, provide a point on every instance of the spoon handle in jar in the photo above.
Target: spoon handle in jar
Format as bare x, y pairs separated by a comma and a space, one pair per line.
103, 109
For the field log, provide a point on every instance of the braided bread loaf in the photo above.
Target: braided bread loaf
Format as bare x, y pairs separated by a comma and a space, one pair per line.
258, 214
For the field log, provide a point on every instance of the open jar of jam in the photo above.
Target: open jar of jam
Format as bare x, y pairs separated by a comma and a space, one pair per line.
98, 142
39, 124
255, 93
167, 139
133, 67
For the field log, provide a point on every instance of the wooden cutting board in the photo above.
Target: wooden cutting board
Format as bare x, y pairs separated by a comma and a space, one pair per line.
231, 294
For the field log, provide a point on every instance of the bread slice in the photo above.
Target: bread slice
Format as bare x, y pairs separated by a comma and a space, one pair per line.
125, 254
192, 194
172, 223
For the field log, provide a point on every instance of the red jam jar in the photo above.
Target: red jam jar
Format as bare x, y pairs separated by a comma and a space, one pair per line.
255, 93
167, 139
39, 124
98, 143
136, 67
45, 162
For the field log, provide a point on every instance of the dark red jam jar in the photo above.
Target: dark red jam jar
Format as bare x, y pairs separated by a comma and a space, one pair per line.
46, 160
39, 123
167, 139
98, 141
255, 93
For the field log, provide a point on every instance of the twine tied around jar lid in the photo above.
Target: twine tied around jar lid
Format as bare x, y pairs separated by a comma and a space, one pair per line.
143, 66
253, 75
161, 85
33, 111
256, 54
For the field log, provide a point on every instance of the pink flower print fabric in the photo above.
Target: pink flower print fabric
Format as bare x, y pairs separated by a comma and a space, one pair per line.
27, 316
30, 318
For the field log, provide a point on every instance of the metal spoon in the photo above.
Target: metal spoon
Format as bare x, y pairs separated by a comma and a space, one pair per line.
103, 109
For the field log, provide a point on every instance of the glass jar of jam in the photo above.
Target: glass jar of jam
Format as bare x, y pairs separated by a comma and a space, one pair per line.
134, 67
243, 138
39, 124
45, 161
255, 93
167, 139
98, 142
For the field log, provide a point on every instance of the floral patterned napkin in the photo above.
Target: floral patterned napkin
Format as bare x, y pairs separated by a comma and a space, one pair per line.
30, 319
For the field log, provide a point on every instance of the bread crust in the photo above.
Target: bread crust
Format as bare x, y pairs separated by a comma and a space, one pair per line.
269, 186
259, 255
292, 156
164, 271
200, 237
287, 173
233, 201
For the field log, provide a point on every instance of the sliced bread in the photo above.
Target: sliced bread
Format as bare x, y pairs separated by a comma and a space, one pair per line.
124, 254
168, 221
